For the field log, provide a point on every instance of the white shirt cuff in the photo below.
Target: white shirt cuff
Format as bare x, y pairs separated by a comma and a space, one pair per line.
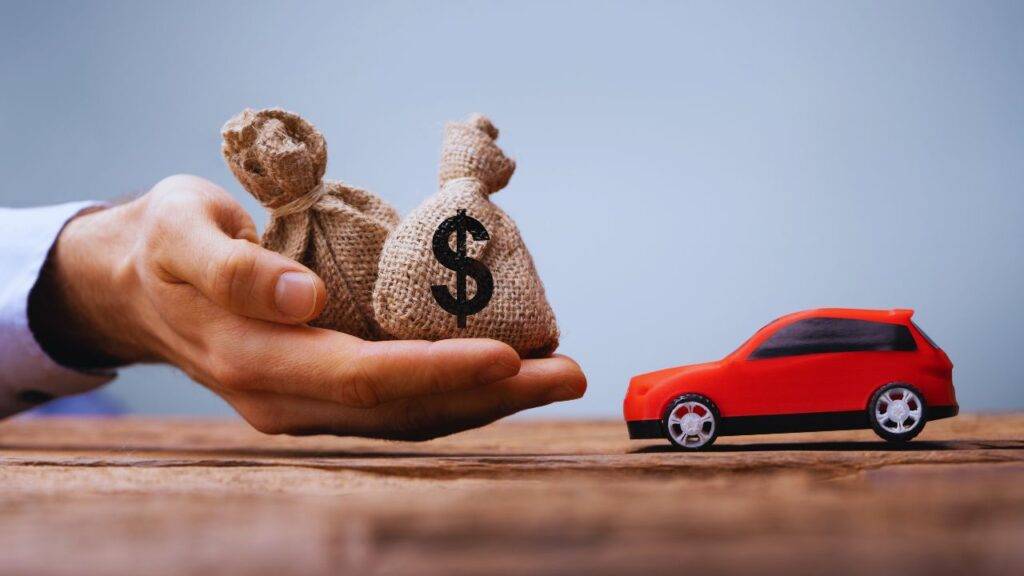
28, 375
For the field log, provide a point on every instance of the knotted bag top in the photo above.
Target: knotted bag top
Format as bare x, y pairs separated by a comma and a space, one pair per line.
279, 158
469, 151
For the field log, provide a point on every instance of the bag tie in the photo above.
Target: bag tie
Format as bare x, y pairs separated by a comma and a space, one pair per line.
302, 203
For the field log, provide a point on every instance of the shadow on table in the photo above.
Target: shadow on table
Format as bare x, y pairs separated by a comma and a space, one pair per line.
851, 446
251, 452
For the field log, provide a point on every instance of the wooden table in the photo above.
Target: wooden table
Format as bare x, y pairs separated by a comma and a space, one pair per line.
132, 496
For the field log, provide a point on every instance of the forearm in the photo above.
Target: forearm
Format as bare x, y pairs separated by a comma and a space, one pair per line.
66, 307
29, 375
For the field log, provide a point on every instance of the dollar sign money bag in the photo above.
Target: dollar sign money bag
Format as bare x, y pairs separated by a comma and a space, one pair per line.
462, 304
334, 229
457, 266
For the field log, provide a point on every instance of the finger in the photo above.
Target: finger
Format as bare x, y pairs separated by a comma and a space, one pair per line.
327, 365
540, 382
185, 195
239, 275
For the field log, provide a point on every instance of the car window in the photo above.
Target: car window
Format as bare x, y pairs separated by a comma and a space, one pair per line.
824, 335
754, 335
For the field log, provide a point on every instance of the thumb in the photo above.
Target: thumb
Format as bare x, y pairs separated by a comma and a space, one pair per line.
246, 279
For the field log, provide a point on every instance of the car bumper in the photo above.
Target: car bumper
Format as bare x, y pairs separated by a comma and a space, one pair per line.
940, 412
644, 429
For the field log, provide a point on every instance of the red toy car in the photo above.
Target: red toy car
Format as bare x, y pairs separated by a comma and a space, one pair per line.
826, 369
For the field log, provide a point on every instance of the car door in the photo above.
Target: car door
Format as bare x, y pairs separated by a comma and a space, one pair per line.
825, 364
791, 384
796, 370
869, 355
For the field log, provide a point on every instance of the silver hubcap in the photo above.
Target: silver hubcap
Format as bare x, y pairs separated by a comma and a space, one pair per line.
898, 410
691, 424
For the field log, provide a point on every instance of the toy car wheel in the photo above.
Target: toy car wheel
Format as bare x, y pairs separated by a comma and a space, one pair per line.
691, 422
897, 412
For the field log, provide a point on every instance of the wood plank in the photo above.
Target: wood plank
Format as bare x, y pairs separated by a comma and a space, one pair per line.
129, 496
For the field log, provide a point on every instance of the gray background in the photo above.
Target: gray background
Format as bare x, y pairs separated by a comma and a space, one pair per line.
687, 172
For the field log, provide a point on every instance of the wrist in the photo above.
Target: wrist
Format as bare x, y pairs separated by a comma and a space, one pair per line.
79, 309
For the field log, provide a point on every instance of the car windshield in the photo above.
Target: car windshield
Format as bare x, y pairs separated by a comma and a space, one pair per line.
759, 330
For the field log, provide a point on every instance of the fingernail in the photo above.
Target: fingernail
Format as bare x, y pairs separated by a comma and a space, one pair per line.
295, 295
497, 371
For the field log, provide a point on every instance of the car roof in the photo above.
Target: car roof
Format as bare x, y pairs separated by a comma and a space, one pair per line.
892, 316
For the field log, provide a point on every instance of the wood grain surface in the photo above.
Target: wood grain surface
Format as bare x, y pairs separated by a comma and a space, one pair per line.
132, 496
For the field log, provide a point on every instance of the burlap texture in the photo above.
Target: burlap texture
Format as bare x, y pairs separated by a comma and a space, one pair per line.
472, 168
334, 229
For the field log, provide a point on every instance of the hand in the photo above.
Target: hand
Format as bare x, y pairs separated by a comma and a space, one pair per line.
177, 276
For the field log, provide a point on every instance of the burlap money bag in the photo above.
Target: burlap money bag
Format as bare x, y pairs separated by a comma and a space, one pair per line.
518, 313
334, 229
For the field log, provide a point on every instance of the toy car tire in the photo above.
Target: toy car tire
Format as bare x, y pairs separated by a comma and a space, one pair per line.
691, 422
891, 408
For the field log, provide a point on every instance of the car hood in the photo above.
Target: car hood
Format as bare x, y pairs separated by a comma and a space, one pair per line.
658, 376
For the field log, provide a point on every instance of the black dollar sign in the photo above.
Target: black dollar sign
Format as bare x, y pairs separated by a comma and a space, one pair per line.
462, 265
